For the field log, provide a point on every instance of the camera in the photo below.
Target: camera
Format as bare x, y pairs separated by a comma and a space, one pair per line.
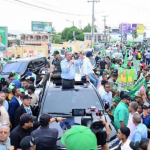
90, 120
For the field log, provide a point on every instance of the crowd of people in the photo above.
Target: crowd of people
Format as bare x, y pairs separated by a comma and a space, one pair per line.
130, 114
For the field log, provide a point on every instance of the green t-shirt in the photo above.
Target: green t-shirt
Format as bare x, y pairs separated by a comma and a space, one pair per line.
121, 114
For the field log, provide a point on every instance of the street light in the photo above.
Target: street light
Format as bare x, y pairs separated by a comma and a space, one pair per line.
73, 30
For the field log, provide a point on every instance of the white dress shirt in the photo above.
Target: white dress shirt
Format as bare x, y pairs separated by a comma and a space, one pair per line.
87, 67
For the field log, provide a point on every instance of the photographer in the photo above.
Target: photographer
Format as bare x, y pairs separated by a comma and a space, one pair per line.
82, 135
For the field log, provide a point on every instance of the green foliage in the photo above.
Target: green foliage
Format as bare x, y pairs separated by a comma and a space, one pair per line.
67, 34
88, 28
56, 39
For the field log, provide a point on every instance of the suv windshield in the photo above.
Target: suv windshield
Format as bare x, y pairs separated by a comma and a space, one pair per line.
65, 101
19, 67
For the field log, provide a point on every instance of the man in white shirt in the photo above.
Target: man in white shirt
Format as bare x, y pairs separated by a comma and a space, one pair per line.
87, 70
133, 106
107, 95
101, 89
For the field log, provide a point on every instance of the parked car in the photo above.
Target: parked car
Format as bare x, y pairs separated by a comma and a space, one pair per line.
22, 65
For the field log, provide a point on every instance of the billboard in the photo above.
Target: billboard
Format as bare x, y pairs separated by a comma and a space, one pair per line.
140, 28
3, 38
134, 28
38, 26
125, 28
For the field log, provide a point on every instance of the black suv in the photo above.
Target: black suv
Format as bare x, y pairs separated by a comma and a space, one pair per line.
23, 65
59, 103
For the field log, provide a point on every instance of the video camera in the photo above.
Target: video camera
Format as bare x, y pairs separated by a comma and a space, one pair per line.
92, 122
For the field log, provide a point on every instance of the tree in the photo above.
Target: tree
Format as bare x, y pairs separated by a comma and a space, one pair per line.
88, 28
56, 39
67, 34
134, 35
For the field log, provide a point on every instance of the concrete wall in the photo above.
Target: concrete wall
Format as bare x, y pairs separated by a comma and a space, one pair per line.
27, 50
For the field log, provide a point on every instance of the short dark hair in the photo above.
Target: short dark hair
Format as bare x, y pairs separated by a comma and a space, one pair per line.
14, 91
106, 84
103, 82
114, 75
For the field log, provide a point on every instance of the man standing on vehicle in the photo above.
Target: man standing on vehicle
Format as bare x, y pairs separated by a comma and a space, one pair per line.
87, 70
68, 67
56, 68
121, 114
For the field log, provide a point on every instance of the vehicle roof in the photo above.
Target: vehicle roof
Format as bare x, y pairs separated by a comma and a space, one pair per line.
25, 59
51, 87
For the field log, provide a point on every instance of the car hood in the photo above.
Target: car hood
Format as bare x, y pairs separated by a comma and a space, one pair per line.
77, 121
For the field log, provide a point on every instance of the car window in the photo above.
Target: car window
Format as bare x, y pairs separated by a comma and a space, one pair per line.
39, 62
65, 101
19, 67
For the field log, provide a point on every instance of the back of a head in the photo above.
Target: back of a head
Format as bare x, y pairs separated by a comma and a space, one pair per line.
137, 118
144, 144
134, 105
79, 138
125, 131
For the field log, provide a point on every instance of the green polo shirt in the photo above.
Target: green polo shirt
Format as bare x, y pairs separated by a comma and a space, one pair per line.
121, 114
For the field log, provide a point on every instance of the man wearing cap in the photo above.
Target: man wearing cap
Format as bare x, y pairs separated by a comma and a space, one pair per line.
29, 142
15, 81
112, 80
68, 68
31, 90
47, 136
123, 134
121, 114
25, 84
133, 106
56, 68
87, 70
22, 130
24, 108
22, 93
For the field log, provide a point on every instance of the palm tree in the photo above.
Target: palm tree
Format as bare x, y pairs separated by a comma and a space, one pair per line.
134, 35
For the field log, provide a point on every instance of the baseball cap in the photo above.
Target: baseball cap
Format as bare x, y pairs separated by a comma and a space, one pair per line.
25, 118
88, 54
98, 73
146, 69
106, 70
79, 138
6, 90
28, 74
55, 53
27, 97
10, 75
28, 142
45, 119
149, 93
134, 145
22, 90
137, 95
31, 87
126, 96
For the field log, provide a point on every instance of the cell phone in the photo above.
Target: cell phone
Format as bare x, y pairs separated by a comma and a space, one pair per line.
78, 112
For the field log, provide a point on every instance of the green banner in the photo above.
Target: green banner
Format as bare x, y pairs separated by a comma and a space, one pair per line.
126, 78
136, 64
3, 39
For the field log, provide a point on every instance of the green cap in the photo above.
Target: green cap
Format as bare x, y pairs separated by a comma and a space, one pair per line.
79, 138
11, 86
98, 72
137, 95
106, 70
114, 87
22, 90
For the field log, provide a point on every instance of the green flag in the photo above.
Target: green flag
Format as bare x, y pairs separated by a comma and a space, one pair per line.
7, 58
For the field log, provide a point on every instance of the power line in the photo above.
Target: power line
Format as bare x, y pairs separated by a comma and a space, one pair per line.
48, 9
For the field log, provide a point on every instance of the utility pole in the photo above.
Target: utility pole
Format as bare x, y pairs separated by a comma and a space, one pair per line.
93, 1
104, 26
